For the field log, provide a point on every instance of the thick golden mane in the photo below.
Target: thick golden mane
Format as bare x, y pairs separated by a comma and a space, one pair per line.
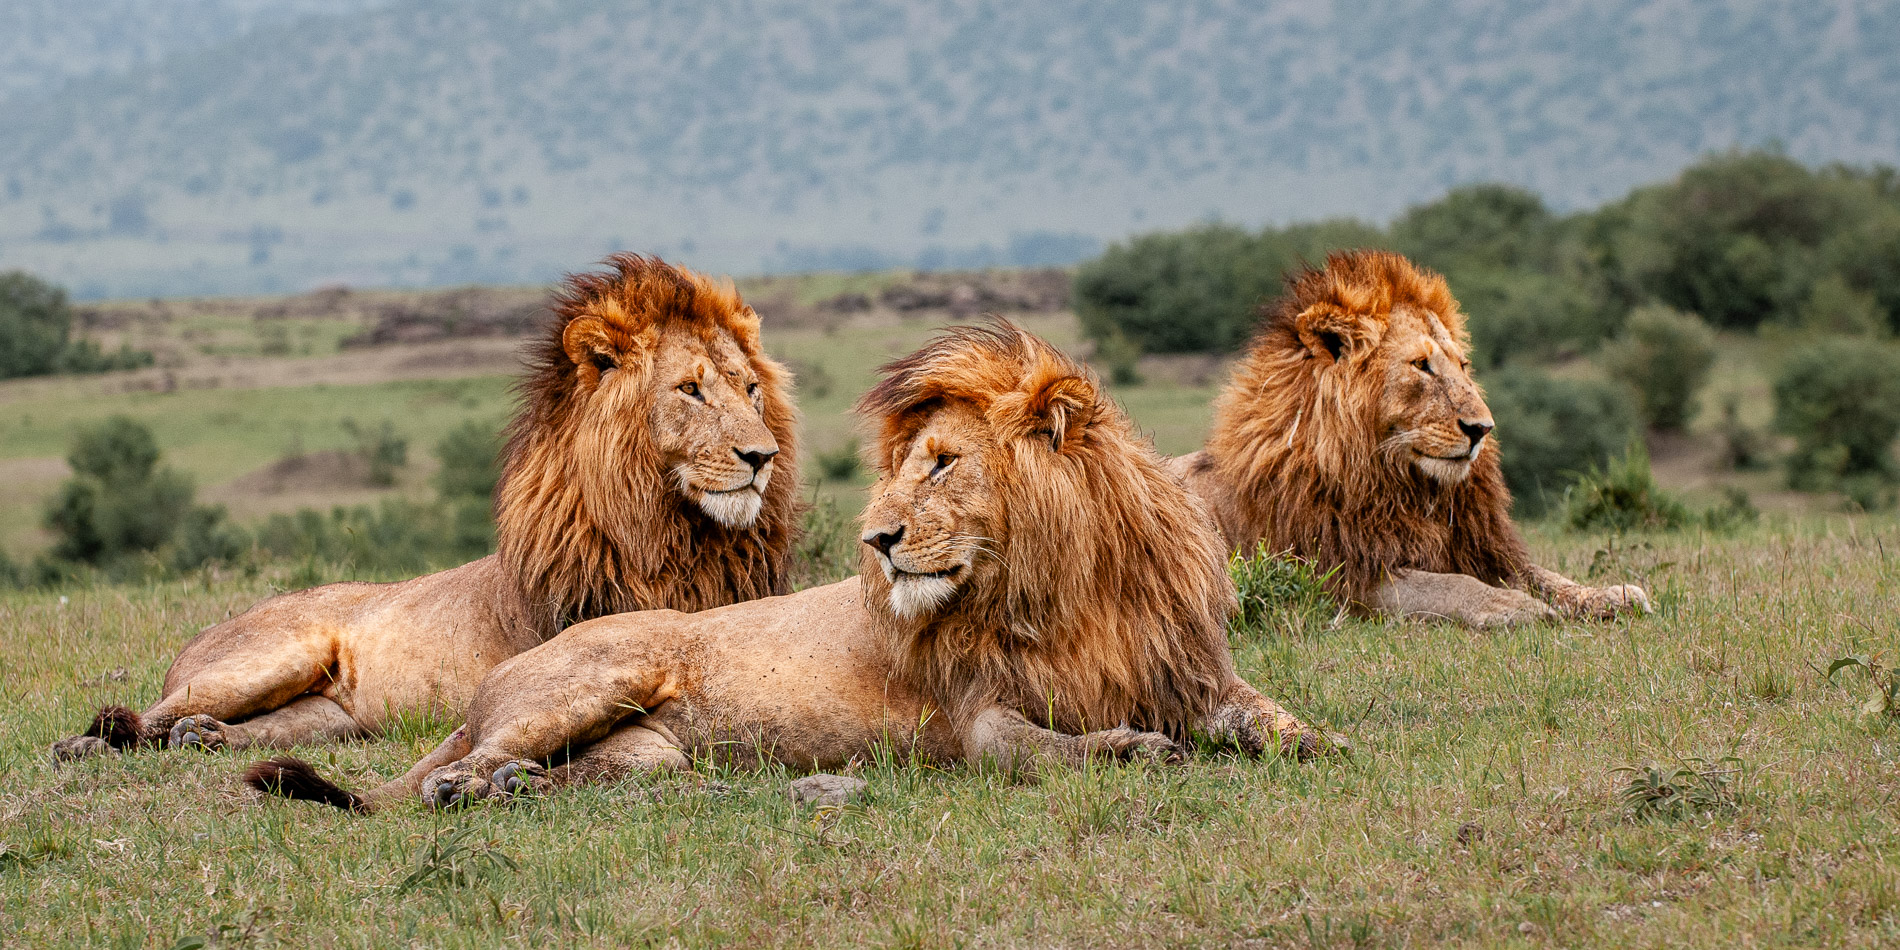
1114, 597
590, 536
1299, 443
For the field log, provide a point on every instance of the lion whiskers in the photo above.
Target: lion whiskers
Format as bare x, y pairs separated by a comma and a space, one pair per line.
917, 595
737, 508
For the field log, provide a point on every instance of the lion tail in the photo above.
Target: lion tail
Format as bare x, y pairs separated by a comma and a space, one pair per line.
121, 728
290, 777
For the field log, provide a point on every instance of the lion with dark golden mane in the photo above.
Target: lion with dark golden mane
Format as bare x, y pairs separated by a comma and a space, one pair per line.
1035, 587
651, 465
1352, 434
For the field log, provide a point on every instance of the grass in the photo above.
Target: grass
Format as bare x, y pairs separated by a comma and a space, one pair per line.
1485, 805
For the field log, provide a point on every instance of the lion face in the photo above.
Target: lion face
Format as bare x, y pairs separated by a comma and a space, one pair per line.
706, 413
1432, 413
933, 526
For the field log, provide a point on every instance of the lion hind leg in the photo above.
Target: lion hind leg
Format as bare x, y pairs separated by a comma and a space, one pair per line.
305, 721
243, 683
628, 751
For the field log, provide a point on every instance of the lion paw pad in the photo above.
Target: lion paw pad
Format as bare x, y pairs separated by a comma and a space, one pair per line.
519, 777
202, 732
78, 747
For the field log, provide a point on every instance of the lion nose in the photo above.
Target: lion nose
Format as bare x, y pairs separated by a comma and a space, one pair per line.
755, 457
884, 540
1476, 431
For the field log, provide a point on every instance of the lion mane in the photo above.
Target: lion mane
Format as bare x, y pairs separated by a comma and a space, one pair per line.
1116, 596
1302, 454
586, 519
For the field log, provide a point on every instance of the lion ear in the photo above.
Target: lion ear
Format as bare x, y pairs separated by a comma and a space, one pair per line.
1333, 334
589, 341
1056, 412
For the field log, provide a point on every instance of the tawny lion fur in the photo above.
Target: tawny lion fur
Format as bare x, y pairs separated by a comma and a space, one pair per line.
620, 491
1353, 435
1036, 587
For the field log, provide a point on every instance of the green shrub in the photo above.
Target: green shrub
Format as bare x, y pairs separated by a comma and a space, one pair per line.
1622, 495
1833, 306
1840, 400
380, 447
1744, 447
827, 547
394, 538
840, 464
34, 323
1279, 592
1551, 431
1665, 356
471, 461
118, 502
1122, 356
36, 326
206, 536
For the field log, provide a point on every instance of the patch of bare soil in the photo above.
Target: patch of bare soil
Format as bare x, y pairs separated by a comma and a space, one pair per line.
308, 472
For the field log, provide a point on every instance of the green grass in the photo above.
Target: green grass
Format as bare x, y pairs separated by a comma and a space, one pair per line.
1483, 806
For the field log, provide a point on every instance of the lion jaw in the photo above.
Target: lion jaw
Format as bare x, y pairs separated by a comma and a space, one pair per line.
918, 594
1445, 471
732, 507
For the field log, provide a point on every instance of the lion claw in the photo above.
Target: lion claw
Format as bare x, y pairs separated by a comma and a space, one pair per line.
197, 730
517, 778
78, 747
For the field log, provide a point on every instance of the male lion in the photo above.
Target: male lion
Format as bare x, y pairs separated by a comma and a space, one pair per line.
1035, 586
651, 465
1353, 434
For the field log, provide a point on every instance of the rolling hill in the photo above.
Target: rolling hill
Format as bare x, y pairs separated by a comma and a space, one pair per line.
430, 142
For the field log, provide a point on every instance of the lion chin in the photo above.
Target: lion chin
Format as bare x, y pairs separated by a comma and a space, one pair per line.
915, 596
734, 509
1445, 471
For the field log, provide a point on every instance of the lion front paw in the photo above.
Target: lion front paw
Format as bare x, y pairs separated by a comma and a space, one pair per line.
520, 777
78, 747
453, 786
1510, 608
201, 731
1602, 603
1128, 743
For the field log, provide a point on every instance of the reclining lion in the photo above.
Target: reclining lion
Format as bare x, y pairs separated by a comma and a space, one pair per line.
1353, 434
1036, 587
651, 465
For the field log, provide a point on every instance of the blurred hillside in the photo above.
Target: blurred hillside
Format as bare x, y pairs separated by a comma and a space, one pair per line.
218, 149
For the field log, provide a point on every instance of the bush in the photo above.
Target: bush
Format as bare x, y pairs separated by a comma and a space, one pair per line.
118, 502
1623, 496
1665, 356
384, 451
1122, 356
36, 326
207, 536
395, 538
1279, 592
1840, 400
1198, 290
1835, 307
840, 464
34, 323
827, 547
1551, 431
471, 461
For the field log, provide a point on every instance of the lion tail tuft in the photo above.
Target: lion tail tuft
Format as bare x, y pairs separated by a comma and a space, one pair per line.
290, 777
120, 727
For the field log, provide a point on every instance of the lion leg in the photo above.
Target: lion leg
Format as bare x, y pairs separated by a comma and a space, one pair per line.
1458, 597
301, 722
1251, 722
263, 674
1010, 741
1582, 601
629, 751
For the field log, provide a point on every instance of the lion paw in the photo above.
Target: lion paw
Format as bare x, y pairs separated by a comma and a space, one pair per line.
1126, 742
78, 747
520, 777
1602, 603
197, 730
1510, 608
453, 786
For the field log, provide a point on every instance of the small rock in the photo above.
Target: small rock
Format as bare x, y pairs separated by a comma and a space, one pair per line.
826, 789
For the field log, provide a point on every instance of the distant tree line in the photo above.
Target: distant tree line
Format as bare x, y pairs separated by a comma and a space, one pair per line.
1744, 242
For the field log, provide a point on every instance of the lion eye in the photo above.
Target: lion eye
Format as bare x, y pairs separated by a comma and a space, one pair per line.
1424, 366
752, 389
603, 362
944, 461
690, 389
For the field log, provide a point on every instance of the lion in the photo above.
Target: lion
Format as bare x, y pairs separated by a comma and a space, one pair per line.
1352, 434
1035, 588
652, 464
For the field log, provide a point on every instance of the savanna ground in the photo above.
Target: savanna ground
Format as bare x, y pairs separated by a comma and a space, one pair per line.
1483, 806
